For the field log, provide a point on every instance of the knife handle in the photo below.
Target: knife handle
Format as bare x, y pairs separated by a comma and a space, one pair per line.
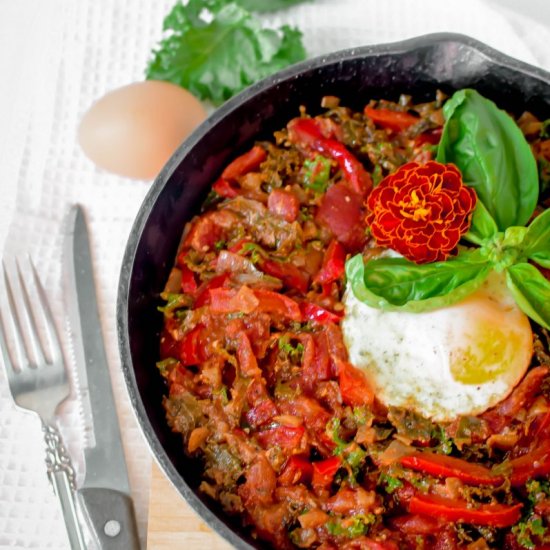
110, 515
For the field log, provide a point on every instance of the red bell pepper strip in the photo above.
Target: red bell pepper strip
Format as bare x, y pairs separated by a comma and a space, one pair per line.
224, 189
291, 276
244, 164
318, 314
448, 466
397, 121
492, 515
306, 131
297, 469
534, 464
203, 292
324, 471
188, 282
273, 302
333, 266
354, 386
191, 350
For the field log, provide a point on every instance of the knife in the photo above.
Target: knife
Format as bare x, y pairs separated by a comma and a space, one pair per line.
104, 495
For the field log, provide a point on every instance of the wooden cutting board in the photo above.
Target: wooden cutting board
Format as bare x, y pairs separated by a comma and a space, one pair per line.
173, 525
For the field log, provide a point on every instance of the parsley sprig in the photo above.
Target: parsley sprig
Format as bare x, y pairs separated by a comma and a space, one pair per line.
532, 525
216, 48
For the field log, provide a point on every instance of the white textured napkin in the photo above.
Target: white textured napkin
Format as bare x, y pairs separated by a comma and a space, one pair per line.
56, 58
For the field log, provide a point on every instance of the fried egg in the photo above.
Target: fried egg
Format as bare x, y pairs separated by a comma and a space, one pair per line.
457, 360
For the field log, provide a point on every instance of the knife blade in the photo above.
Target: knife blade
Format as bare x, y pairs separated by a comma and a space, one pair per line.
104, 495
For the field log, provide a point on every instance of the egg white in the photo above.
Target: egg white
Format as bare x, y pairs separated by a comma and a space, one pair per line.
457, 360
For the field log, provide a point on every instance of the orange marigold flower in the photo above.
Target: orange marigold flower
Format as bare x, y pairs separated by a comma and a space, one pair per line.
421, 211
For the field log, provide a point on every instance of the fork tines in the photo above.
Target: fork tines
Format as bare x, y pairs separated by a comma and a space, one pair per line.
28, 336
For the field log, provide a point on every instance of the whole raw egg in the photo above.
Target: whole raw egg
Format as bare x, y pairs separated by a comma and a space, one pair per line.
133, 131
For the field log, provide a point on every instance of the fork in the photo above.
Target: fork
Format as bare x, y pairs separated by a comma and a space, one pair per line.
38, 380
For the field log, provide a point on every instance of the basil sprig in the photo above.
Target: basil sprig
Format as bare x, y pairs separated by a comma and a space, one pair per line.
495, 159
537, 240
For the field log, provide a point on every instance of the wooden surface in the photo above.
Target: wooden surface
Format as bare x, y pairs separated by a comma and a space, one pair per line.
172, 523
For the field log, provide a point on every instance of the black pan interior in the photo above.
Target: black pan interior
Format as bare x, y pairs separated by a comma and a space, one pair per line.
418, 67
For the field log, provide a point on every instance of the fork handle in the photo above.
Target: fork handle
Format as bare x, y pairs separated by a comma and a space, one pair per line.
61, 475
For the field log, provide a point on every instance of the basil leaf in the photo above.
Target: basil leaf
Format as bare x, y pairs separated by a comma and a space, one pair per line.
514, 237
398, 284
216, 48
531, 291
483, 225
536, 243
542, 258
493, 155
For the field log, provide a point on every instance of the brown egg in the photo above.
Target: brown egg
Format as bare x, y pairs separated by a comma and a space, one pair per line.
132, 131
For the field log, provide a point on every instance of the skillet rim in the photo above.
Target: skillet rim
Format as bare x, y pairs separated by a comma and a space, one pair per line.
434, 41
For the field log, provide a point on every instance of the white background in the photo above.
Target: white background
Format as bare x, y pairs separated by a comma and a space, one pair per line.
56, 58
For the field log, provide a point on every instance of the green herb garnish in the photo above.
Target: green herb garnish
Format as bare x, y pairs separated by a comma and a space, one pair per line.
333, 429
445, 442
495, 159
362, 415
391, 484
268, 5
255, 250
316, 173
527, 528
165, 365
293, 352
216, 48
352, 527
174, 302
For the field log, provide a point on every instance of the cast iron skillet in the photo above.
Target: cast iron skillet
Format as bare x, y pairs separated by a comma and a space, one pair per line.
418, 66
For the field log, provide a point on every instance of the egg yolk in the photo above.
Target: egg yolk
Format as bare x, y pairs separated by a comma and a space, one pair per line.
496, 344
489, 355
